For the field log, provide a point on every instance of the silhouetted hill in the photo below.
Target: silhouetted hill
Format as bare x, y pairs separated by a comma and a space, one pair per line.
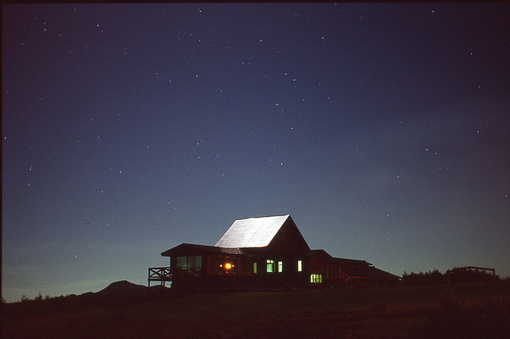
123, 288
119, 293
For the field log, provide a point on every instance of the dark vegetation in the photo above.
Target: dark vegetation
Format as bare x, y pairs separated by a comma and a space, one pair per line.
457, 276
476, 310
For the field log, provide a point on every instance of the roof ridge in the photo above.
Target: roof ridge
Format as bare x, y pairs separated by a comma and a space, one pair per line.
265, 216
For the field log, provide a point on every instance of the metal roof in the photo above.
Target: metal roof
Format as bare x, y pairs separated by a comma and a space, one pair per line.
252, 232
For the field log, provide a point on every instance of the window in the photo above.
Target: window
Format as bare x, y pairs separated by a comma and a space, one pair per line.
316, 278
194, 262
255, 267
300, 265
270, 266
182, 262
280, 266
191, 265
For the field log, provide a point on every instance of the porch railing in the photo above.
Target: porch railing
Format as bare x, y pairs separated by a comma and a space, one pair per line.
161, 274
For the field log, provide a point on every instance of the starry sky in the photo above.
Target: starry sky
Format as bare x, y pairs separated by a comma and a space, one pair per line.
128, 129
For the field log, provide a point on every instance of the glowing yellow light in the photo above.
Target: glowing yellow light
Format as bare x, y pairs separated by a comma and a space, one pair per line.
228, 266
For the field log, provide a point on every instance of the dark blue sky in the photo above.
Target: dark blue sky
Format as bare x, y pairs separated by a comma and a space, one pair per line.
383, 129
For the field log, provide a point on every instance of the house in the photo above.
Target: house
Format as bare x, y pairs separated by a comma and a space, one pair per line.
265, 252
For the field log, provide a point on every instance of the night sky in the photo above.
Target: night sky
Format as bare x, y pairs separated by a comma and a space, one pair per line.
128, 129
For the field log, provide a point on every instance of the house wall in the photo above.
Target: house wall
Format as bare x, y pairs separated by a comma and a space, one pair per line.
315, 265
203, 270
220, 269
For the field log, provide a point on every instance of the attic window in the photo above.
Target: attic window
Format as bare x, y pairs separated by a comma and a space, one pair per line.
300, 265
270, 266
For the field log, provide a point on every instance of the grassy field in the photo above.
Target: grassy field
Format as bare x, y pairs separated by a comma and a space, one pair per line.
462, 311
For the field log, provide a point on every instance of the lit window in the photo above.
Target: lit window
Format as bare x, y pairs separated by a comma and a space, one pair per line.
270, 266
300, 265
280, 266
254, 267
316, 278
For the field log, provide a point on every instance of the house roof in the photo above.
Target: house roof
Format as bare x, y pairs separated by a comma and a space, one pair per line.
252, 232
194, 249
368, 272
338, 261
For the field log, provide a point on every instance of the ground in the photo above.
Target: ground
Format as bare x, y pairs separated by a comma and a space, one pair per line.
468, 311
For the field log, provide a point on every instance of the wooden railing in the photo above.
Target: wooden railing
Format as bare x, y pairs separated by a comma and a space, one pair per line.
161, 274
